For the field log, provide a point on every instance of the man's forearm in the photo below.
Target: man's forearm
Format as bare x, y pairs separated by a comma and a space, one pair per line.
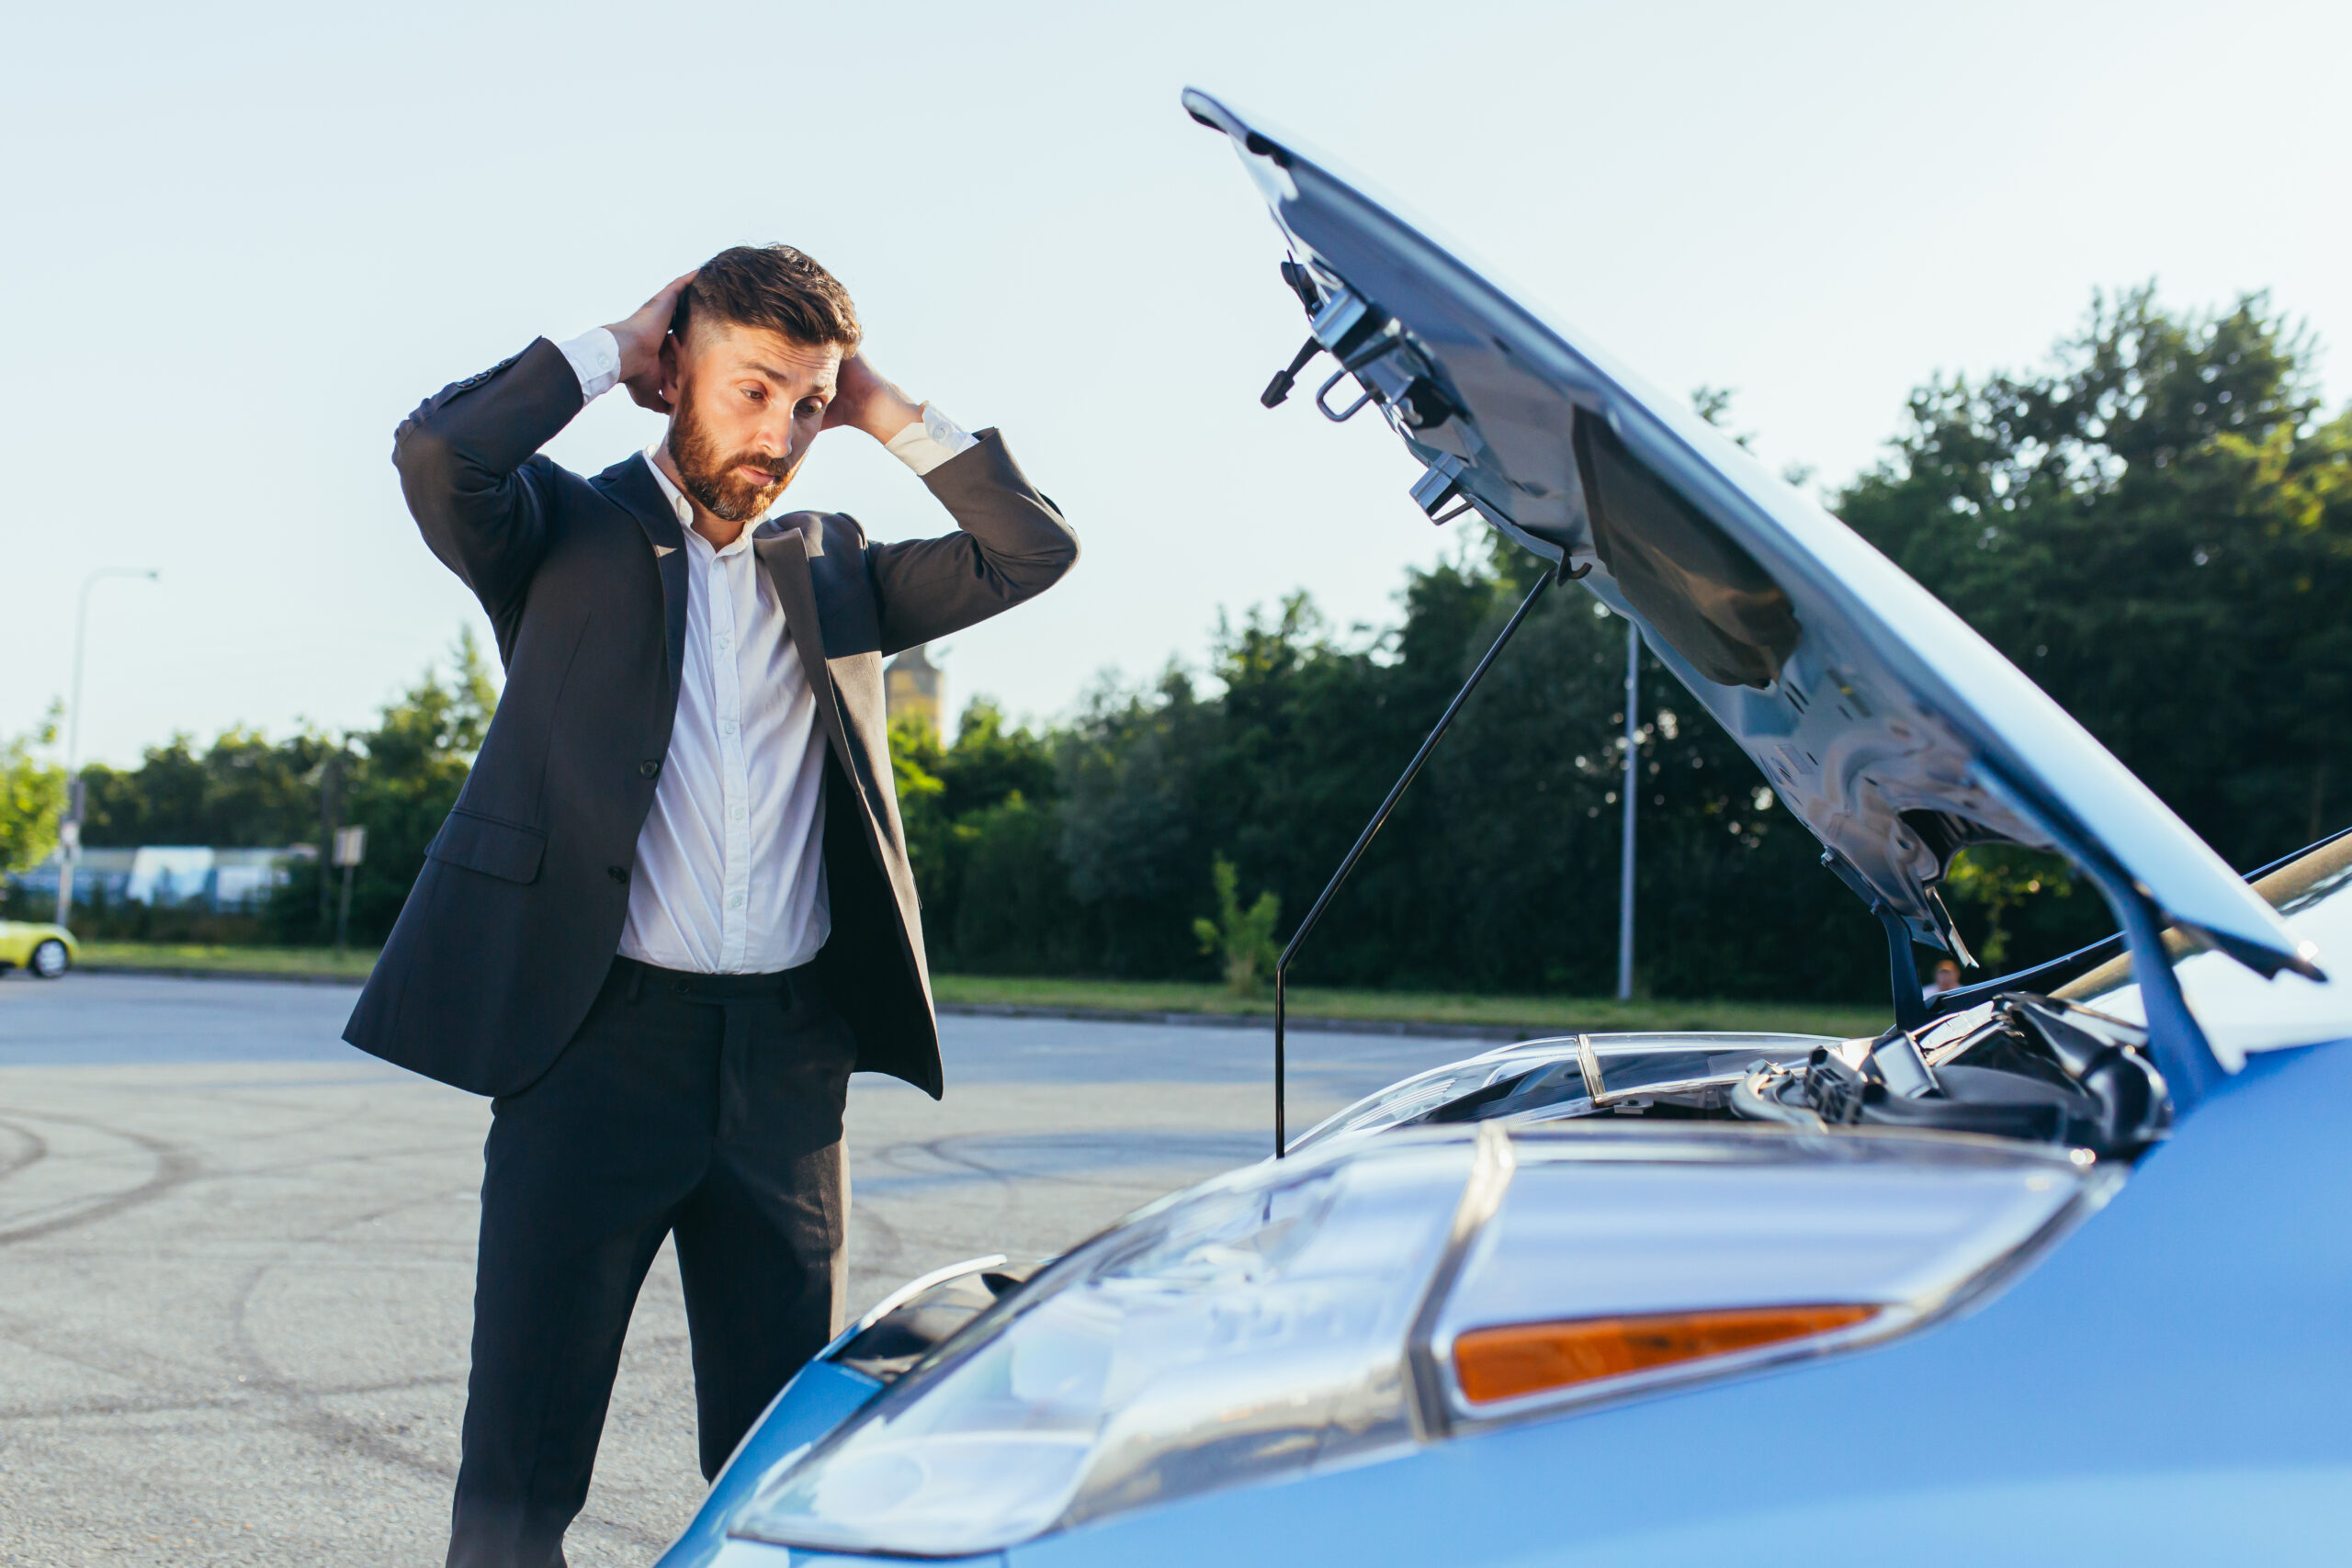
459, 456
1012, 544
488, 425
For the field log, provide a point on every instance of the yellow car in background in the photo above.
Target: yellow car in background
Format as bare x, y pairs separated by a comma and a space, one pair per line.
42, 950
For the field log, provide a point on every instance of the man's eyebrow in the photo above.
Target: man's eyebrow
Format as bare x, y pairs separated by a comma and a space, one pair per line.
772, 374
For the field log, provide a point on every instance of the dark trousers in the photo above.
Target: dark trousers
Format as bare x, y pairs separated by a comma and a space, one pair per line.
707, 1107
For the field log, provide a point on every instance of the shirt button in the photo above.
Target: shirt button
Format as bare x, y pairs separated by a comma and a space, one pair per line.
650, 769
735, 900
617, 873
723, 643
736, 812
725, 727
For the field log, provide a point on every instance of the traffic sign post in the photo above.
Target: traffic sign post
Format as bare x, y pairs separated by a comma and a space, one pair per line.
350, 849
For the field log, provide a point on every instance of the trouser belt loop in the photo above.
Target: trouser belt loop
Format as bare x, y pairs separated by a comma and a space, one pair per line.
636, 979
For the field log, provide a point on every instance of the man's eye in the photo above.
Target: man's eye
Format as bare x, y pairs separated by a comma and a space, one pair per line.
755, 394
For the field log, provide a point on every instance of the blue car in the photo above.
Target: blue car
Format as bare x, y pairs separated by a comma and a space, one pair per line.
2058, 1270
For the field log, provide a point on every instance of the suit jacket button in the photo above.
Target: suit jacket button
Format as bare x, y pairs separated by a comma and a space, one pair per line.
617, 873
650, 769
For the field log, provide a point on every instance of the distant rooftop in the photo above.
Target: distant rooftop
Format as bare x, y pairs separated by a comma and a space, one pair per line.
912, 686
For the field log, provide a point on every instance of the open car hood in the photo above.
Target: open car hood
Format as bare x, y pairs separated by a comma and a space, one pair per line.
1894, 731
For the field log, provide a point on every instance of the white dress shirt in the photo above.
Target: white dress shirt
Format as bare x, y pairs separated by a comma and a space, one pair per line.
730, 873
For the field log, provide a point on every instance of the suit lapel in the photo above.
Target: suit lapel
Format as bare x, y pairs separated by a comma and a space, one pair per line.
631, 483
783, 555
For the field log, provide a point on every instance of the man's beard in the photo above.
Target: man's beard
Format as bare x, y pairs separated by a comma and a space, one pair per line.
710, 480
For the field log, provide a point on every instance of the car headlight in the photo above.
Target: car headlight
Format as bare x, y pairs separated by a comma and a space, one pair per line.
1322, 1311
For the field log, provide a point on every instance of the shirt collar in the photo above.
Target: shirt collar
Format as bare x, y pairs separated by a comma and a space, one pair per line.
684, 509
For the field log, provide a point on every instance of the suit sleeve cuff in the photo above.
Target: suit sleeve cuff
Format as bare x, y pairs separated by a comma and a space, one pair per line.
930, 440
596, 357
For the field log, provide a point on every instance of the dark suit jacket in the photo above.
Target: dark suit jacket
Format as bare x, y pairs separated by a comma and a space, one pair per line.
516, 918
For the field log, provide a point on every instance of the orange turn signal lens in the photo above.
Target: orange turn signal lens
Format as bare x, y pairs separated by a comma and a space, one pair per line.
1535, 1357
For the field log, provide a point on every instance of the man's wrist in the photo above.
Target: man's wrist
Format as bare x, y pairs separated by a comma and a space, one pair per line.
929, 440
884, 419
596, 357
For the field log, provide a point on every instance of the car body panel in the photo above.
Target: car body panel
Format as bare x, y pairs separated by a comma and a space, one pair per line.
2101, 1409
819, 1398
1887, 724
2178, 1360
759, 1554
20, 938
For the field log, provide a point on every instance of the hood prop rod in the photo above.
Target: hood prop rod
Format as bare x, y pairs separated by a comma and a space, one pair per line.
1364, 840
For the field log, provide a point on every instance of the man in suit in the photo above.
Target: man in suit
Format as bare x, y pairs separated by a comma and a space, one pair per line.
671, 911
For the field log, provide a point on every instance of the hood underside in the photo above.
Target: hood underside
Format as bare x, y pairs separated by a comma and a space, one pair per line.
1889, 728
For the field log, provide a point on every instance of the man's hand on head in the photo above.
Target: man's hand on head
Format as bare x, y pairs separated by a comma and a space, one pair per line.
865, 399
640, 339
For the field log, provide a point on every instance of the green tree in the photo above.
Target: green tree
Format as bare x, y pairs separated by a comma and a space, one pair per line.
1015, 915
931, 852
991, 761
1242, 940
977, 814
32, 795
1129, 770
2156, 526
2001, 881
409, 769
1517, 877
399, 780
243, 791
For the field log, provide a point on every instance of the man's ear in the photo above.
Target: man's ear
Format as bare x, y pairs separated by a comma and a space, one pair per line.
667, 357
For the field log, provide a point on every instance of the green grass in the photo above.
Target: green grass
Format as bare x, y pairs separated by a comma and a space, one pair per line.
1565, 1014
309, 961
1546, 1014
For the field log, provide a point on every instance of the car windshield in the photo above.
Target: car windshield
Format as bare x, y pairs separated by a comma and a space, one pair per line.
2239, 1010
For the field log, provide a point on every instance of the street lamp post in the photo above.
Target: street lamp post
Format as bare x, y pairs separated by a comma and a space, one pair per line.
69, 834
1626, 860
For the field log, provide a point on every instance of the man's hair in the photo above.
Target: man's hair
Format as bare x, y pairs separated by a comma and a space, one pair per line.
774, 287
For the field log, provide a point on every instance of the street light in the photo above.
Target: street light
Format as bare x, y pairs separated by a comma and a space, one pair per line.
69, 832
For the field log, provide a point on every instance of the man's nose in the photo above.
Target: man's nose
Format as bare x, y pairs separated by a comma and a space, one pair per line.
775, 435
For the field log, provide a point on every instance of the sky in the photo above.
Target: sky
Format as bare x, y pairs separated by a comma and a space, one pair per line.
247, 240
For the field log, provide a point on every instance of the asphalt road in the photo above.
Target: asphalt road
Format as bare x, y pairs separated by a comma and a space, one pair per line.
236, 1255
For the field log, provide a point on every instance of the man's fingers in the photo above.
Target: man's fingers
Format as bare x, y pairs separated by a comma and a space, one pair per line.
646, 393
665, 298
